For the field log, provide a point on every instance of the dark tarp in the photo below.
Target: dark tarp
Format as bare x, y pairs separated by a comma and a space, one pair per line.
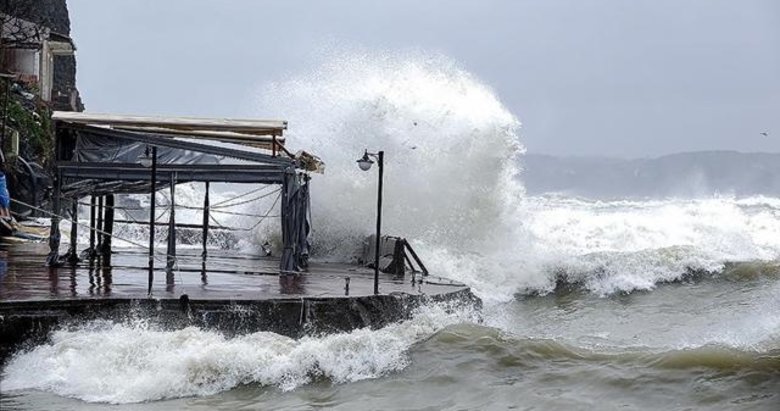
94, 147
295, 222
87, 151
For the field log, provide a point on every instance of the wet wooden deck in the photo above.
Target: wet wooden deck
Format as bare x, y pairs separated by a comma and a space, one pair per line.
225, 276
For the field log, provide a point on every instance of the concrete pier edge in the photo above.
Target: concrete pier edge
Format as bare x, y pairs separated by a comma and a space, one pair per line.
24, 324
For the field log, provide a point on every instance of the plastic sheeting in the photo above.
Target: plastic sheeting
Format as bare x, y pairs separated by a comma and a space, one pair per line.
295, 222
94, 147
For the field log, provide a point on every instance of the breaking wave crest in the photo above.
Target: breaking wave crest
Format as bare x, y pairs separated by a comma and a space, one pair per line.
117, 363
620, 246
450, 148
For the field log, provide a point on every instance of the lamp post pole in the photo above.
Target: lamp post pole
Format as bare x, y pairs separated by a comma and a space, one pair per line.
380, 163
365, 163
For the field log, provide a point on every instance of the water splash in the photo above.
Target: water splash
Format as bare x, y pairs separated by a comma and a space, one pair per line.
450, 148
131, 362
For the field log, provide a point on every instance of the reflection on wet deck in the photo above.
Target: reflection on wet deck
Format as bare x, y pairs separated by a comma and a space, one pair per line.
23, 276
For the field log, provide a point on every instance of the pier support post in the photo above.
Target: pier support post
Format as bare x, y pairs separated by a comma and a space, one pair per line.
152, 205
54, 234
92, 216
170, 260
99, 224
108, 226
72, 254
206, 206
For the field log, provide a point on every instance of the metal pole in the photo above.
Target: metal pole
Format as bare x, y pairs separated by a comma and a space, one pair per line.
92, 249
205, 221
380, 158
54, 235
170, 260
99, 222
108, 225
153, 201
73, 257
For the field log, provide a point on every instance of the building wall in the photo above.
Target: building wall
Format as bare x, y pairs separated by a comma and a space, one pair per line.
54, 15
50, 13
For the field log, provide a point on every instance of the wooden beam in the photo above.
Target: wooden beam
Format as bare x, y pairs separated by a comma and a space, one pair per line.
249, 126
226, 136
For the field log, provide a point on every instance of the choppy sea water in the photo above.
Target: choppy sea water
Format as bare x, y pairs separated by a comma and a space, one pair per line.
705, 344
654, 304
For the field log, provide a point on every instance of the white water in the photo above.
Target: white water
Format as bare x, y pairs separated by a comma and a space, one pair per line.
134, 362
627, 245
453, 186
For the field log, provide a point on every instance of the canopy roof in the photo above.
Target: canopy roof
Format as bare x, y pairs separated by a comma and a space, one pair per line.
99, 153
254, 133
106, 154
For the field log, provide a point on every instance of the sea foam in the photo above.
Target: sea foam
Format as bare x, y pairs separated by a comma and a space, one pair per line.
130, 362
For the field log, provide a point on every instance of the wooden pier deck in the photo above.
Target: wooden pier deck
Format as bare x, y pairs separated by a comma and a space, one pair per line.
224, 276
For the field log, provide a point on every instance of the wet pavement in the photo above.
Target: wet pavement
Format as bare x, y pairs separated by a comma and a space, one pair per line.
223, 276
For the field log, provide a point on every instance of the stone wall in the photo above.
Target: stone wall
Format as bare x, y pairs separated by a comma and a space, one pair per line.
54, 15
27, 323
50, 13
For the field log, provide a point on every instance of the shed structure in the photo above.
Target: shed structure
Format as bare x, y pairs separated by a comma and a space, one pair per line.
101, 155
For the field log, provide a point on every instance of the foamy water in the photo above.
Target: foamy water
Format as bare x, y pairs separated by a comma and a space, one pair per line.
135, 361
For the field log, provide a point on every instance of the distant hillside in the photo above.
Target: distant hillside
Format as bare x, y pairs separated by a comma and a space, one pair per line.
693, 174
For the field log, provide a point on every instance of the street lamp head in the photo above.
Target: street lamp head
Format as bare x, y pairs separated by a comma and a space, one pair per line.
365, 163
145, 159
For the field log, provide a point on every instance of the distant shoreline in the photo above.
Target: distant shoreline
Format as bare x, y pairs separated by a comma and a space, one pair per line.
690, 174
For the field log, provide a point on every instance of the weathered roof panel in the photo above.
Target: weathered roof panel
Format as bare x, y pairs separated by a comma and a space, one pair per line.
246, 126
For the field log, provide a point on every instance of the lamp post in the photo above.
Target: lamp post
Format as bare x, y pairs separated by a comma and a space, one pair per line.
151, 161
365, 163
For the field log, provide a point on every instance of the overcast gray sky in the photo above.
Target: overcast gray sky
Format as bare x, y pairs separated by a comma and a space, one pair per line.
608, 77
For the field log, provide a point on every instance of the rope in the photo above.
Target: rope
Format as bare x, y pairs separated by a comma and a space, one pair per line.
165, 211
247, 201
243, 214
188, 207
219, 225
106, 206
214, 208
241, 195
266, 214
97, 230
260, 220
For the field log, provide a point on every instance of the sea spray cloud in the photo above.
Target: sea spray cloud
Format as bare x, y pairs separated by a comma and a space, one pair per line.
450, 147
451, 174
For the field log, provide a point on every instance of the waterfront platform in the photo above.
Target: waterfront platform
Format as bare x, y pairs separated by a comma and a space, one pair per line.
231, 292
